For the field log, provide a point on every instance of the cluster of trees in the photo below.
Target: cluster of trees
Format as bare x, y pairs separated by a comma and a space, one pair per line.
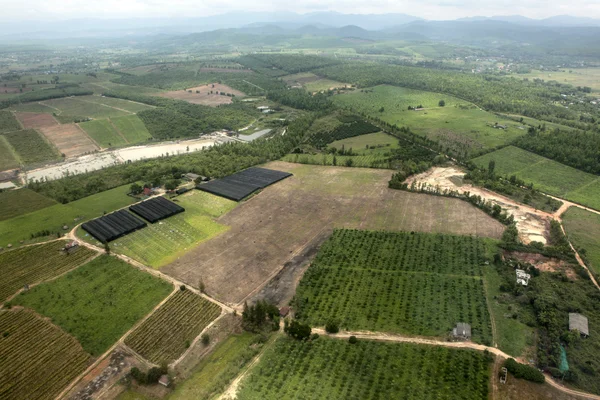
344, 131
297, 329
577, 149
45, 94
260, 317
301, 99
149, 378
523, 371
290, 63
216, 162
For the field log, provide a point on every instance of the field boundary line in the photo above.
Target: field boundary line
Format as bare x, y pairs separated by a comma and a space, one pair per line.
118, 131
106, 105
196, 340
14, 114
54, 108
489, 307
88, 136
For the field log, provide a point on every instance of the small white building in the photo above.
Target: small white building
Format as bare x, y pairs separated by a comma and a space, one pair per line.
523, 277
261, 108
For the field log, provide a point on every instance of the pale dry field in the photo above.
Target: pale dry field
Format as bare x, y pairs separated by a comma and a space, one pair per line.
204, 96
36, 120
69, 139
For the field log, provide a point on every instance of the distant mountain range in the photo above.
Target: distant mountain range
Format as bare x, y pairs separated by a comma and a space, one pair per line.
99, 28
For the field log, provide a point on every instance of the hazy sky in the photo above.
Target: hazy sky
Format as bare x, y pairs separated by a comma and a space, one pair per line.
430, 9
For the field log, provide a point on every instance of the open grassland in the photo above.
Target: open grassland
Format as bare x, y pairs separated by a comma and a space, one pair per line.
98, 302
296, 214
583, 229
132, 128
33, 264
8, 122
168, 332
38, 359
546, 175
312, 82
365, 370
84, 107
119, 104
163, 242
419, 284
8, 159
22, 201
459, 125
208, 95
53, 218
577, 77
103, 133
69, 139
31, 147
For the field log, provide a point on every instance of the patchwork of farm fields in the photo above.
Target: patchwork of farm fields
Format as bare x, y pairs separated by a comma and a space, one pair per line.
546, 175
459, 125
583, 229
419, 284
98, 302
85, 106
272, 227
334, 369
30, 147
38, 359
170, 330
52, 219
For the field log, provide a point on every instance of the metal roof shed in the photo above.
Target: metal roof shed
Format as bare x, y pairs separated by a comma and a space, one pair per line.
579, 322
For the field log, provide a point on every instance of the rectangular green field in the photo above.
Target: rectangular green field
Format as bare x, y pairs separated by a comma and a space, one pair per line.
132, 128
373, 160
363, 143
126, 105
53, 218
103, 133
460, 125
33, 107
583, 229
8, 122
7, 155
546, 175
31, 147
409, 283
98, 302
163, 242
82, 107
334, 369
22, 201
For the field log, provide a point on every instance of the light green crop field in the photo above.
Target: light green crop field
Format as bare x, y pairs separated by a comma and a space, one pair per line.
98, 302
126, 105
32, 107
459, 124
103, 132
82, 106
22, 201
335, 369
8, 122
31, 147
8, 159
132, 127
163, 242
54, 217
546, 175
577, 77
359, 144
583, 229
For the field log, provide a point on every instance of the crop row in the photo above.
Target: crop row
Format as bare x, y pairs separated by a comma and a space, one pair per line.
165, 335
334, 369
360, 161
33, 264
38, 359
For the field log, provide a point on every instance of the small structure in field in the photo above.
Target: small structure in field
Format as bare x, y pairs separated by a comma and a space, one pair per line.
164, 380
190, 177
579, 323
503, 375
261, 108
147, 192
284, 311
523, 277
71, 246
462, 331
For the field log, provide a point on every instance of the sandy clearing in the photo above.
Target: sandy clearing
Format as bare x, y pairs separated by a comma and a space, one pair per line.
202, 94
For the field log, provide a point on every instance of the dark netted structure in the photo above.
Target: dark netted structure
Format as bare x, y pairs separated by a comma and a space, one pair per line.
156, 209
113, 226
242, 184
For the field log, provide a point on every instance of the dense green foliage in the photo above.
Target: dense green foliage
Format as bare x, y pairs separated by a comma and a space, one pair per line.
45, 94
413, 283
217, 162
334, 369
523, 371
344, 131
18, 202
291, 63
8, 122
299, 98
260, 316
31, 147
98, 302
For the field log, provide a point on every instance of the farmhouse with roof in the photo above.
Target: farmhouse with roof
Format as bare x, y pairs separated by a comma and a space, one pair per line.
523, 277
462, 331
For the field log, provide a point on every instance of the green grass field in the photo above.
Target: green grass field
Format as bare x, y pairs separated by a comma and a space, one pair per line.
54, 217
8, 122
546, 175
577, 77
359, 144
132, 128
103, 133
583, 229
82, 106
18, 202
32, 107
98, 302
126, 105
31, 147
334, 369
459, 125
164, 241
419, 284
8, 159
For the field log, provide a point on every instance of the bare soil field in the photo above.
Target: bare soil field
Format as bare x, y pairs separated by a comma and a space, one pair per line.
533, 225
69, 139
545, 264
36, 120
204, 96
287, 220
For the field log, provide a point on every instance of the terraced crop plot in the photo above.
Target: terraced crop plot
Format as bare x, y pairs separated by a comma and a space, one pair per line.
103, 133
113, 226
38, 359
8, 122
98, 302
155, 209
37, 263
18, 202
242, 184
32, 120
132, 128
70, 139
167, 333
366, 370
31, 147
413, 283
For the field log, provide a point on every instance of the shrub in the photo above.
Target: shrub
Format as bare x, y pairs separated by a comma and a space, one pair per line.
205, 339
524, 371
298, 330
352, 340
154, 375
332, 327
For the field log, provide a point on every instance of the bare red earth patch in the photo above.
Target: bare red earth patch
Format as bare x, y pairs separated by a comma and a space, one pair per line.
36, 120
69, 139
